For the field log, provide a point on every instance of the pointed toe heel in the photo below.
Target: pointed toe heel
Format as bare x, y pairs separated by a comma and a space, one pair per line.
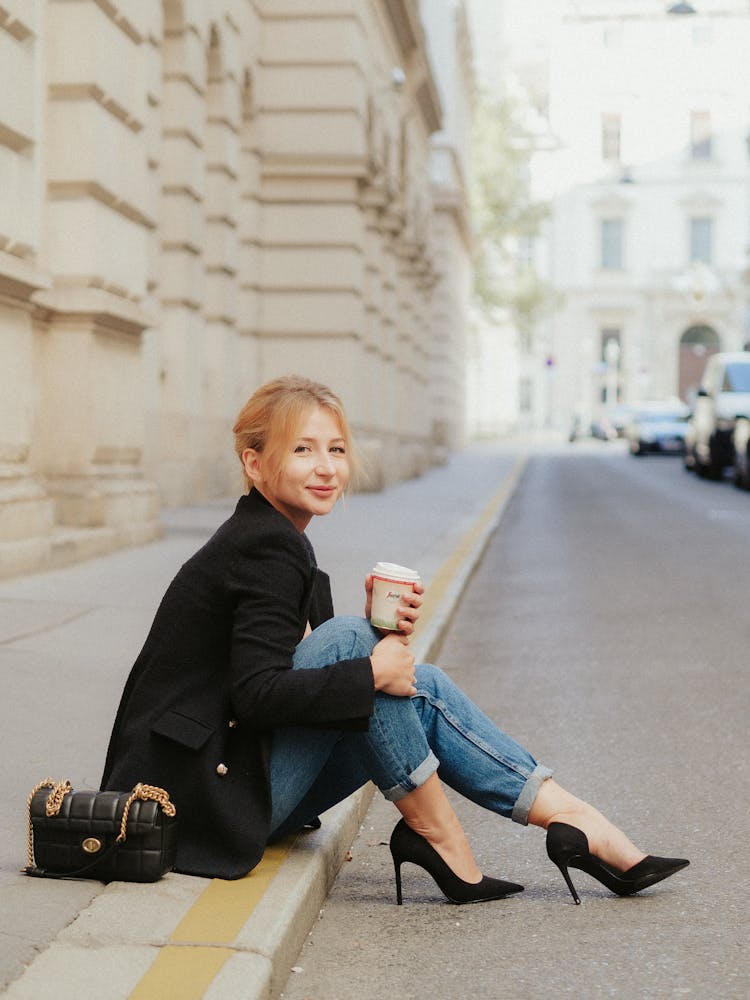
408, 845
568, 847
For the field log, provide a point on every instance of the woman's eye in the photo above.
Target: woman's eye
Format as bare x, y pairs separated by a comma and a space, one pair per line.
301, 448
338, 449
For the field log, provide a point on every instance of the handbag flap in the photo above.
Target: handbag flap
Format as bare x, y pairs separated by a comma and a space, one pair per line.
99, 812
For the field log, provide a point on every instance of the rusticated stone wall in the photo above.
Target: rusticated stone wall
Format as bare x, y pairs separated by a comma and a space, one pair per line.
198, 195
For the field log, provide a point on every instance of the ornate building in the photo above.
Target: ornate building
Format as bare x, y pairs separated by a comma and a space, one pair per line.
638, 120
650, 190
196, 196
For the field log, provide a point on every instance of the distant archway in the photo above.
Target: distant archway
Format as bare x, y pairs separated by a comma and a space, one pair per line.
696, 344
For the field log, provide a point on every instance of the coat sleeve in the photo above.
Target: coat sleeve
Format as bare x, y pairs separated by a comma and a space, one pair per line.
321, 602
272, 592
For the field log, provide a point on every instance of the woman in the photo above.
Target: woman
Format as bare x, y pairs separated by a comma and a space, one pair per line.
258, 709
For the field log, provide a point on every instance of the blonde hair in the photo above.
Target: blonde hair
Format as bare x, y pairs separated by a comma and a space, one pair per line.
271, 419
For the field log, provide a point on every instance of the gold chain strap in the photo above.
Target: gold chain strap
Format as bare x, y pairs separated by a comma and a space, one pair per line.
57, 794
145, 792
61, 788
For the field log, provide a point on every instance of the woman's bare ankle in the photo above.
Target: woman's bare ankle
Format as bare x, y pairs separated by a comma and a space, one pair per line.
606, 842
429, 813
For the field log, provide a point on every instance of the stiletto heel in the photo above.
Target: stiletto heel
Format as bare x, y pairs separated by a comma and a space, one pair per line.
568, 847
408, 845
569, 881
397, 866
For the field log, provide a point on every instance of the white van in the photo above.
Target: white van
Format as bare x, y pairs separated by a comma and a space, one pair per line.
724, 395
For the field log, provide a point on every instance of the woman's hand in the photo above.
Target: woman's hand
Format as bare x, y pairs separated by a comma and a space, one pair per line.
408, 611
393, 666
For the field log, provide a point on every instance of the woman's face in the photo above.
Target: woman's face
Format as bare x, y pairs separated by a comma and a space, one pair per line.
314, 471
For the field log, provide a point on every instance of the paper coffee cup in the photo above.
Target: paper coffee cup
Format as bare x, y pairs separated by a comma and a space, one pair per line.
389, 583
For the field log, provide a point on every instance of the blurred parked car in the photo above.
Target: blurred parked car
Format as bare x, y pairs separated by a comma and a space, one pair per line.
658, 427
724, 395
741, 446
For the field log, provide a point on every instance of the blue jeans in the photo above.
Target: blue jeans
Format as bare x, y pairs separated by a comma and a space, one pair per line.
408, 739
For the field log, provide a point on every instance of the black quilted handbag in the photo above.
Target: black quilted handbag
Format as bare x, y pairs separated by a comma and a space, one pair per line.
108, 836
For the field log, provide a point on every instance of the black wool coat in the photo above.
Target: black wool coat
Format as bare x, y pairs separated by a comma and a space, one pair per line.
214, 680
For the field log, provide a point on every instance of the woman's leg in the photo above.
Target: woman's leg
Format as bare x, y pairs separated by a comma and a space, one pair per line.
313, 769
408, 737
490, 768
477, 758
428, 812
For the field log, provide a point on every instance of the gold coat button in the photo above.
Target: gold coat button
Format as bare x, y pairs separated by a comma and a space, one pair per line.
222, 769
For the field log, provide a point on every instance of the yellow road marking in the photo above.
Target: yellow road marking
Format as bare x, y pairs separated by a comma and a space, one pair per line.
185, 972
222, 909
202, 942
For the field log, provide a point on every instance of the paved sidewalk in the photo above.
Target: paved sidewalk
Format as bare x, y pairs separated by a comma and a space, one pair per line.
67, 641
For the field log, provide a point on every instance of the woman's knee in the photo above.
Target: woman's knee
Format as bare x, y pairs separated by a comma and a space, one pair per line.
430, 678
345, 637
355, 633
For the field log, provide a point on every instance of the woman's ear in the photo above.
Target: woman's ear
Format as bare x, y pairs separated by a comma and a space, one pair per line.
251, 463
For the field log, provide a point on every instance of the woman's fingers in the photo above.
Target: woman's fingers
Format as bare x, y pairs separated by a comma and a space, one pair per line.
409, 611
393, 666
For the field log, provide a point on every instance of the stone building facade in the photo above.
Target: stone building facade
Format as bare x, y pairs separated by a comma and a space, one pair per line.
199, 195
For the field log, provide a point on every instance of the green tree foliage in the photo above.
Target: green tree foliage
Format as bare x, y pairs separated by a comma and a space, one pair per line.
506, 218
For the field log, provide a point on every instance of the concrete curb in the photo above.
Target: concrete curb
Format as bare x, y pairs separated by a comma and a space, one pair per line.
113, 943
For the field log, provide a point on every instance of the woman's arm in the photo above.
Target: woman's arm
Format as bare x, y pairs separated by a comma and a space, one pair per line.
271, 585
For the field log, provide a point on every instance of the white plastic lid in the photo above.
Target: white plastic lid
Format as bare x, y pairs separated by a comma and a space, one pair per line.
392, 571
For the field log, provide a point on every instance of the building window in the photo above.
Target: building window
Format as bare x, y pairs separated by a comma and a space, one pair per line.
611, 137
611, 244
701, 239
700, 135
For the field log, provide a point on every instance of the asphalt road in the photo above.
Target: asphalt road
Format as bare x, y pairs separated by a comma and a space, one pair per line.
607, 629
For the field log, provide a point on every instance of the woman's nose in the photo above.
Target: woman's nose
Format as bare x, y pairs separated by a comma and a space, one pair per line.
325, 466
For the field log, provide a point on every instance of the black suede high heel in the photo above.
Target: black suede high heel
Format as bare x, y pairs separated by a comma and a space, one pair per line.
408, 845
568, 847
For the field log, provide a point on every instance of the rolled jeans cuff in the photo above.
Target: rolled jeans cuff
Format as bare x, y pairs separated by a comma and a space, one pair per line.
529, 792
417, 777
